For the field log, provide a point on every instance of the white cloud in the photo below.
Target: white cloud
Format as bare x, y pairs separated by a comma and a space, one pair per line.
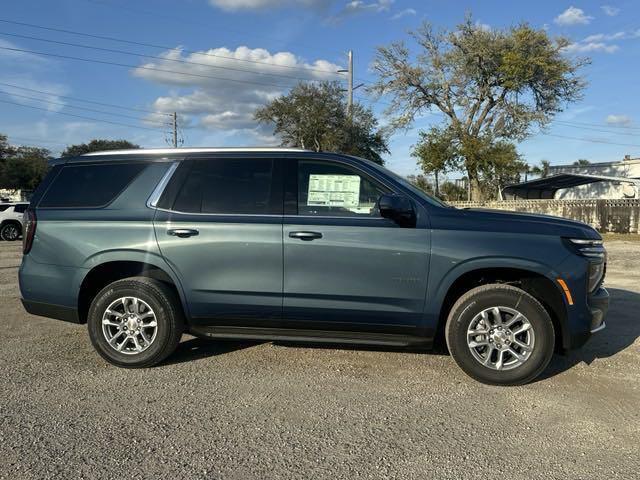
404, 13
610, 11
234, 5
585, 47
10, 53
52, 100
619, 120
573, 16
217, 104
601, 42
355, 7
607, 37
22, 69
483, 26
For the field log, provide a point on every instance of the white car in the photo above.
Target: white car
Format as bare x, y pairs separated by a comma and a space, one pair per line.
11, 220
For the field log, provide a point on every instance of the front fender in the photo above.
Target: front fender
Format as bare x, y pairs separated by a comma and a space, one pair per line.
438, 290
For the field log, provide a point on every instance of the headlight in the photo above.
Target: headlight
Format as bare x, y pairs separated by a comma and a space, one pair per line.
588, 248
597, 255
596, 274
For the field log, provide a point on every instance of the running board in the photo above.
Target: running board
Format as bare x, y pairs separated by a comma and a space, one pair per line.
311, 336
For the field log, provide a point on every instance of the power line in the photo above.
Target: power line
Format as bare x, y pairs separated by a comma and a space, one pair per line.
183, 19
78, 116
592, 129
51, 102
103, 62
626, 127
142, 55
84, 100
591, 140
151, 45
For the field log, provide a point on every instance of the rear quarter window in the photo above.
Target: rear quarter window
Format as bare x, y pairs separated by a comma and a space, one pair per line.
87, 186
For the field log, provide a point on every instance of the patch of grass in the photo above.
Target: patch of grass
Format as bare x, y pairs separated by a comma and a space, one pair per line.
628, 237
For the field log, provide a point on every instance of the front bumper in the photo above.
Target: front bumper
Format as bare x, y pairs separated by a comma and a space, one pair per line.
598, 305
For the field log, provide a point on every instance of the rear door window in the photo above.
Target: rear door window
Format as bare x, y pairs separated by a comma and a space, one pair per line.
87, 186
236, 186
20, 208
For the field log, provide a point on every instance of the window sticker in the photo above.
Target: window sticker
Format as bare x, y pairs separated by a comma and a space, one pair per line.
334, 191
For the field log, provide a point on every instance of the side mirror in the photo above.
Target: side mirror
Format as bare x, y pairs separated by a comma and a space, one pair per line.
397, 208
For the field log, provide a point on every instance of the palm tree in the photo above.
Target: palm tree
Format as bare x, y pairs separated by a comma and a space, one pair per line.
542, 170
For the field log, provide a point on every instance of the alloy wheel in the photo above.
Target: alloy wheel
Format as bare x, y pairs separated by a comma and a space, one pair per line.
500, 338
129, 325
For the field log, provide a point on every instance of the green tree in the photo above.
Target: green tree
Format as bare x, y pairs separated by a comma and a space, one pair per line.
436, 153
24, 168
581, 162
490, 84
97, 145
452, 192
421, 182
6, 150
501, 165
542, 169
314, 116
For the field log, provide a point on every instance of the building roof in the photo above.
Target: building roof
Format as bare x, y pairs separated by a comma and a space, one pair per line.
623, 162
547, 187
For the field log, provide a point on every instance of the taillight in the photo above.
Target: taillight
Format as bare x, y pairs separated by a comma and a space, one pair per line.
29, 222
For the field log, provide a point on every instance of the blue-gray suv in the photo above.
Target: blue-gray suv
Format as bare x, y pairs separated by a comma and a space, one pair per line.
285, 244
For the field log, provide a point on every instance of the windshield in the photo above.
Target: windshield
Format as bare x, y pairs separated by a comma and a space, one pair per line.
407, 184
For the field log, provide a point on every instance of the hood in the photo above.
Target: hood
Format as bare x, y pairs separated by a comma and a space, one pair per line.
504, 221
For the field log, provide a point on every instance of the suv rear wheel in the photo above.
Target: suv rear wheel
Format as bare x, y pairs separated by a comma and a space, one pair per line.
135, 322
500, 335
10, 231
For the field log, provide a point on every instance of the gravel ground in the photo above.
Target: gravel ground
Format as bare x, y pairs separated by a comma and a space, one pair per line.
258, 410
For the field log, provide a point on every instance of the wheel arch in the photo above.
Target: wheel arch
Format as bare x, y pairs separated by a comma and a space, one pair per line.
533, 279
110, 269
11, 221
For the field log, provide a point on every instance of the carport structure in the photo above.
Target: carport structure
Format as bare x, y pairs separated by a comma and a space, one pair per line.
546, 188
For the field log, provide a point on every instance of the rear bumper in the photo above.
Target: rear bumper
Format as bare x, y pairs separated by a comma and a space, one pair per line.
48, 310
49, 290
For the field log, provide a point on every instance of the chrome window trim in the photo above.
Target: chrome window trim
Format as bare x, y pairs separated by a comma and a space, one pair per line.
271, 215
152, 202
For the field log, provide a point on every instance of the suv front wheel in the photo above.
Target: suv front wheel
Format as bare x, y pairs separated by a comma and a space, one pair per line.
135, 322
500, 335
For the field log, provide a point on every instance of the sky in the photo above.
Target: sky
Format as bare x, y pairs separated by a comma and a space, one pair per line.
216, 61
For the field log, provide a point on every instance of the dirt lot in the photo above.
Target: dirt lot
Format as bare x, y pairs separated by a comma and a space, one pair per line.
241, 411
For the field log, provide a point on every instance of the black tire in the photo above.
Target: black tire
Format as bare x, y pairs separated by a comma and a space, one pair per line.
473, 303
10, 231
168, 313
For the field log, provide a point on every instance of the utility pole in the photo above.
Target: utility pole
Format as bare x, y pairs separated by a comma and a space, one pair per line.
175, 130
350, 87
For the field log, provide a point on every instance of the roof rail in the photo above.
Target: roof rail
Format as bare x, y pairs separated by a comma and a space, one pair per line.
165, 151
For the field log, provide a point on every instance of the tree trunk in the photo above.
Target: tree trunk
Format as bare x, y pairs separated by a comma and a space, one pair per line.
437, 184
475, 192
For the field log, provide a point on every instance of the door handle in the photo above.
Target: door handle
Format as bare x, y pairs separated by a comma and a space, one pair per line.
306, 236
182, 232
